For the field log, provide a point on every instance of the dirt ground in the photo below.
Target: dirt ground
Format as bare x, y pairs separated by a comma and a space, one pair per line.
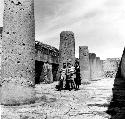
90, 102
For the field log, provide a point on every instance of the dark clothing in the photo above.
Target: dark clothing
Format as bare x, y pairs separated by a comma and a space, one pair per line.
78, 78
60, 85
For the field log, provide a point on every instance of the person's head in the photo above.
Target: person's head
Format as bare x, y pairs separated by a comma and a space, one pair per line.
64, 65
69, 64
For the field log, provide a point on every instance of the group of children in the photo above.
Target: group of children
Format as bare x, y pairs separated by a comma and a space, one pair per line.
69, 77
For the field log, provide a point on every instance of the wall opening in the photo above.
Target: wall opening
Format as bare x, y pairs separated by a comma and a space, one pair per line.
38, 71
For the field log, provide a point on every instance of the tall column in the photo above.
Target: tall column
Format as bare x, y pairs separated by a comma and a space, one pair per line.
92, 60
84, 64
98, 70
18, 52
102, 70
67, 48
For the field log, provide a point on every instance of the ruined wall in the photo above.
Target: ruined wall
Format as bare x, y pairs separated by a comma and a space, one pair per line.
117, 106
110, 66
84, 63
46, 53
47, 60
18, 52
67, 48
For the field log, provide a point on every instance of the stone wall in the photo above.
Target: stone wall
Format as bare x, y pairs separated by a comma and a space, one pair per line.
47, 61
84, 64
110, 66
117, 106
67, 48
18, 52
46, 53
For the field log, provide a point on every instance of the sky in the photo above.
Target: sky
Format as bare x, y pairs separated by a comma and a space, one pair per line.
98, 24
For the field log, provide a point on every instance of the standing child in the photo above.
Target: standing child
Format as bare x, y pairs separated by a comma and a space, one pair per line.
62, 77
70, 76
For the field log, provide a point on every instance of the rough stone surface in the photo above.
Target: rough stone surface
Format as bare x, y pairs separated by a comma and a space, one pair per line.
117, 105
67, 48
46, 53
47, 73
110, 66
84, 63
18, 52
